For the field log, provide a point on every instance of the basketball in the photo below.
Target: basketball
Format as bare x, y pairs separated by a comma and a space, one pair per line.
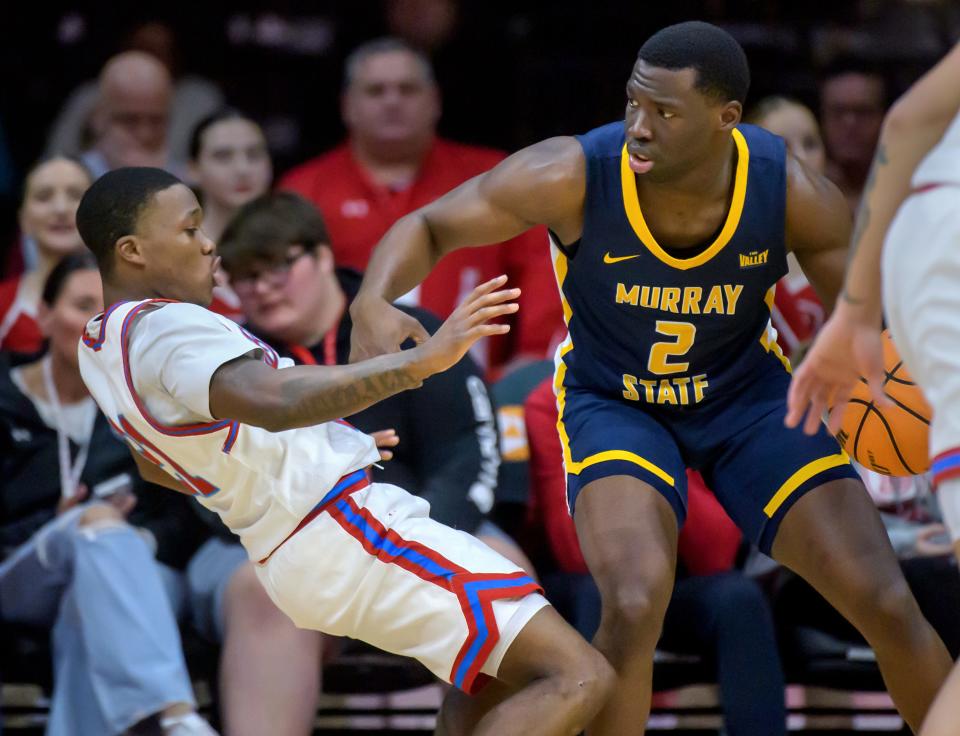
890, 440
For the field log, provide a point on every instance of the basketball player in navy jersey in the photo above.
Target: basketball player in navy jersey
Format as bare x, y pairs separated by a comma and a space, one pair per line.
669, 232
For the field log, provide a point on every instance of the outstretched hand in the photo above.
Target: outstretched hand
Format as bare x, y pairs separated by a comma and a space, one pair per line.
470, 322
844, 350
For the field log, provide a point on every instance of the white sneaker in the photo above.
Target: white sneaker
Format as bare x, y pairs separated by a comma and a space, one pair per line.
189, 724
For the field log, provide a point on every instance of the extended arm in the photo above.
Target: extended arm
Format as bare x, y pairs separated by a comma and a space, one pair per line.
913, 126
849, 344
253, 393
542, 184
817, 229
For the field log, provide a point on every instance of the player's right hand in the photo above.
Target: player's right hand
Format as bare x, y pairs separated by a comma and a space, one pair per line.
845, 349
469, 322
380, 328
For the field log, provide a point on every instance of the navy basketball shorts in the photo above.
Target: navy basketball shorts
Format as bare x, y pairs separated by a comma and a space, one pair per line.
756, 467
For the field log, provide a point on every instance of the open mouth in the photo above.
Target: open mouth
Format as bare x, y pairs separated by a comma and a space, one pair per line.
640, 164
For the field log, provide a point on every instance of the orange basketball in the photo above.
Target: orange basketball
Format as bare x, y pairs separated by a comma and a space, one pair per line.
890, 440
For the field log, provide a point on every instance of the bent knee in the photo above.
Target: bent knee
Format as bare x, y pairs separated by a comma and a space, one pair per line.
588, 685
637, 609
891, 607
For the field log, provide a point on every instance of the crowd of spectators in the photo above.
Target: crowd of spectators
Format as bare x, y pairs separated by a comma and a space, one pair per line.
115, 569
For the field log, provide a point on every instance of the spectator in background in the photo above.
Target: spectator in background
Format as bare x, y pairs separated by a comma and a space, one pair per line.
716, 610
194, 98
51, 194
230, 164
853, 99
131, 119
392, 163
797, 313
82, 569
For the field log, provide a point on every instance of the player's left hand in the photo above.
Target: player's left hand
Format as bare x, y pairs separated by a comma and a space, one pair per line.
385, 439
846, 349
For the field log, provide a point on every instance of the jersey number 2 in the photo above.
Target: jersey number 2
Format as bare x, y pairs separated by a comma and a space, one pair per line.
682, 334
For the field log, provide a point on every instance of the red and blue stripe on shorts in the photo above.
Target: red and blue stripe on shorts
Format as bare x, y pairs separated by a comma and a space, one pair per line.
476, 592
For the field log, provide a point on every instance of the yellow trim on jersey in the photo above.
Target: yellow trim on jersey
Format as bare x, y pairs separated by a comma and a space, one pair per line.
560, 271
635, 215
802, 476
768, 339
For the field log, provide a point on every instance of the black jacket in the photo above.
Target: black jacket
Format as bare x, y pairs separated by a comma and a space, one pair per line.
30, 480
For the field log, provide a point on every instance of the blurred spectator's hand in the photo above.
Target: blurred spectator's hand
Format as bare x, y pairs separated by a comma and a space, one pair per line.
68, 502
385, 438
933, 540
123, 502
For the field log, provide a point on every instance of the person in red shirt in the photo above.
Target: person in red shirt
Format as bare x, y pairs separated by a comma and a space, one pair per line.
393, 163
51, 194
716, 611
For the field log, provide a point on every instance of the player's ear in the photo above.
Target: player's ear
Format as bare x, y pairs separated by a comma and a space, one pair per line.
129, 249
730, 115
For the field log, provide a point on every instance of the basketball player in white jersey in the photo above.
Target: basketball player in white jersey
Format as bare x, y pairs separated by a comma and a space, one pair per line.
207, 412
916, 170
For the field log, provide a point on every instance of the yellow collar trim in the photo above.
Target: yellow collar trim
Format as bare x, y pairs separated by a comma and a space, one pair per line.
635, 216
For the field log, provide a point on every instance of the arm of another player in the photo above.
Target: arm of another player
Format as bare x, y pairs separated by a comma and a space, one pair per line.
912, 127
818, 232
540, 185
247, 390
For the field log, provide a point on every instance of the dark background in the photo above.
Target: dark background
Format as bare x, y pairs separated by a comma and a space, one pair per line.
511, 73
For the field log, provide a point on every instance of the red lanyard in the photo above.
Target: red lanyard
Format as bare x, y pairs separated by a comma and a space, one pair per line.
304, 356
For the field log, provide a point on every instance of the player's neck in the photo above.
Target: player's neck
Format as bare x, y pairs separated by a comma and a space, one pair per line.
391, 166
126, 290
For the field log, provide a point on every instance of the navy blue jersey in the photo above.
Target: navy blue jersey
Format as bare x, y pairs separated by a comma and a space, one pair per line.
670, 331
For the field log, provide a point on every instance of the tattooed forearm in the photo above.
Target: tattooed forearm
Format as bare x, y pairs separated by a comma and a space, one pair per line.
313, 399
863, 220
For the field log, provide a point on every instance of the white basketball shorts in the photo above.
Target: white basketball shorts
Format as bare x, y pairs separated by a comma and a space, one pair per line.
921, 293
373, 566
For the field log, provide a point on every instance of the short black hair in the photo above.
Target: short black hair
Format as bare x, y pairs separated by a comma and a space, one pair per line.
225, 113
112, 205
720, 63
265, 227
82, 260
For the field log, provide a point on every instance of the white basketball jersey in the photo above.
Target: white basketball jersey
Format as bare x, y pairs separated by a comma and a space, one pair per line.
942, 164
148, 364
